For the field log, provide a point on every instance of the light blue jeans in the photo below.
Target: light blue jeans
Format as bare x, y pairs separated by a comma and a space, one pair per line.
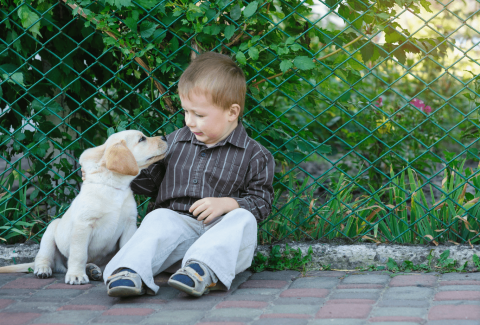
226, 245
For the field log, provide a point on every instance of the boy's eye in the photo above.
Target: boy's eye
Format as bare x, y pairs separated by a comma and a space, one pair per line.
142, 139
199, 115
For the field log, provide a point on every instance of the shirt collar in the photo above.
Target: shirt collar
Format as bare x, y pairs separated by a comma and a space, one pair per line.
238, 137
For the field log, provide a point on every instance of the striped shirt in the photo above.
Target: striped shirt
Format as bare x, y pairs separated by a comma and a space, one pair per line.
236, 167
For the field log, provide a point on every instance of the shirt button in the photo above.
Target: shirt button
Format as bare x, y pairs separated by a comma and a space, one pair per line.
203, 154
195, 181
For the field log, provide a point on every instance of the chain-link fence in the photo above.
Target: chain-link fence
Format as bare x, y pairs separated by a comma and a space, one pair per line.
369, 107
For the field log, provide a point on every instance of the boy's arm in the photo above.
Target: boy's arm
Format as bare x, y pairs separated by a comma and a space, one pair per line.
259, 188
148, 181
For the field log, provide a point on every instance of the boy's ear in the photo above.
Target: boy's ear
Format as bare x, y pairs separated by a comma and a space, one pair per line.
234, 112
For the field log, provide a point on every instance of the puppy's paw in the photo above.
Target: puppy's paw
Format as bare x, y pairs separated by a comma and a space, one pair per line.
76, 278
42, 271
94, 273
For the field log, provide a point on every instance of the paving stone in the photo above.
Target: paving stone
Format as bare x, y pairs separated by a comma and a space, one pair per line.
239, 314
299, 301
318, 293
356, 294
360, 286
273, 284
82, 307
16, 293
70, 287
5, 302
459, 283
146, 300
279, 275
315, 283
88, 299
396, 323
350, 301
54, 295
282, 316
192, 303
457, 295
449, 322
72, 316
17, 318
456, 302
256, 292
462, 312
128, 312
167, 293
5, 278
250, 297
338, 321
220, 323
344, 310
366, 279
408, 293
32, 307
395, 319
460, 288
292, 309
337, 274
400, 311
242, 304
403, 303
124, 319
174, 317
27, 283
460, 276
414, 280
279, 321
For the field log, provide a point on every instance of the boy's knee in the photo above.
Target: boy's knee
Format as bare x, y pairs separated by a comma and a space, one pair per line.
242, 215
156, 216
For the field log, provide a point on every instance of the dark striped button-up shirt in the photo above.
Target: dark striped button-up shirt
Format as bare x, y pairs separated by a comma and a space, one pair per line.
236, 167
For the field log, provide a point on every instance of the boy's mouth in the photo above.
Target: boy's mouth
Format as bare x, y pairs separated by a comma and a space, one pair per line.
197, 133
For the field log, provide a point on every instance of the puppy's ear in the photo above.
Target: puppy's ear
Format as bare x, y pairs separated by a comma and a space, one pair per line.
119, 159
92, 155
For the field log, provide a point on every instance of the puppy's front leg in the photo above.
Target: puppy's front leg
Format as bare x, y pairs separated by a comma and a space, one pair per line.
78, 255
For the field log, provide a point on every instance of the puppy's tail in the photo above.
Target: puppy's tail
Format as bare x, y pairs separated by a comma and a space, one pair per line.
17, 268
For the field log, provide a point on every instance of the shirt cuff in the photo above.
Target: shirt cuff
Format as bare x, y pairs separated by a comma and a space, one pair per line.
242, 203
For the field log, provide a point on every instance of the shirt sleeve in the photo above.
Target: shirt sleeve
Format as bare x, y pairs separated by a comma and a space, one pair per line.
258, 196
148, 182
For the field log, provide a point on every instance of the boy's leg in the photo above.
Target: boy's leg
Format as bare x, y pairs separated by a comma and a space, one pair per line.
162, 239
226, 247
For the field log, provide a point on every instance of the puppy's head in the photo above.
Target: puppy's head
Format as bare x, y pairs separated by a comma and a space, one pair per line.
125, 152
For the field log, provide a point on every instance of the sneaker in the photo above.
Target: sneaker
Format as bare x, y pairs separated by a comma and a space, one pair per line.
125, 283
192, 279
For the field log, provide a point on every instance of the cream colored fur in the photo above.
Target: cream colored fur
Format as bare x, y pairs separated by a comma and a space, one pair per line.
102, 218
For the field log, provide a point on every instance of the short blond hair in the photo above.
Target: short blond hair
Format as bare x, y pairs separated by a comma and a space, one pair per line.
216, 76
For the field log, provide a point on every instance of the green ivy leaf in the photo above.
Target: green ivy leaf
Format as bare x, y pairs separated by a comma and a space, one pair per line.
332, 3
285, 65
28, 18
236, 12
229, 31
250, 10
303, 63
120, 3
367, 52
147, 29
132, 24
253, 53
241, 58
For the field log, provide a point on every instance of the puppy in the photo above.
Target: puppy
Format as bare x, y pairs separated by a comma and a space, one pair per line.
102, 218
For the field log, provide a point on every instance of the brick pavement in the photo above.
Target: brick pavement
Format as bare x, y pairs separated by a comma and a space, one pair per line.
267, 298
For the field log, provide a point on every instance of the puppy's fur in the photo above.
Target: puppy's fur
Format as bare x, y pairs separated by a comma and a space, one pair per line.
102, 218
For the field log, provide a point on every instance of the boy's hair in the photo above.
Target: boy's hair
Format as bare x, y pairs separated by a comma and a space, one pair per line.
216, 76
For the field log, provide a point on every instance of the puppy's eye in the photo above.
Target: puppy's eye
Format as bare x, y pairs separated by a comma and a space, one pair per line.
142, 139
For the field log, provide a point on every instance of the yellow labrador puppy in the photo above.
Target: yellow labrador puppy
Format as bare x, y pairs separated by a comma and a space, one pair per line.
102, 218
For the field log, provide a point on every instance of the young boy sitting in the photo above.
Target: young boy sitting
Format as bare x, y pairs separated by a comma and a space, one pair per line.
213, 186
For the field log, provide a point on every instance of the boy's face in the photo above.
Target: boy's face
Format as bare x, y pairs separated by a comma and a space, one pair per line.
209, 123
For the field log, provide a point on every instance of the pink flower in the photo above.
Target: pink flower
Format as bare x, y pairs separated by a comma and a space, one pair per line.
379, 102
417, 103
427, 109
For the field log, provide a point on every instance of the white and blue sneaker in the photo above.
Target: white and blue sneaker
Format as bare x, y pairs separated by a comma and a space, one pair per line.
125, 282
193, 279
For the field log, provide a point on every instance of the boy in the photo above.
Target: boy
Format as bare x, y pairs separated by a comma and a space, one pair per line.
213, 186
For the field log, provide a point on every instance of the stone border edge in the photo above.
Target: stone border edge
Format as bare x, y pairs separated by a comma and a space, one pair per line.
345, 257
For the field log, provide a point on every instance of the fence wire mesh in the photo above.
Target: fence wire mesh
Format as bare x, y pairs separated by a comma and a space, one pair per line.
370, 108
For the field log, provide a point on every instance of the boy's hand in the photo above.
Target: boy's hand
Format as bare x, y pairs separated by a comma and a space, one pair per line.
210, 208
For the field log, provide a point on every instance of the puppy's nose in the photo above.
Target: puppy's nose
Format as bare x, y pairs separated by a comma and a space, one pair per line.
163, 138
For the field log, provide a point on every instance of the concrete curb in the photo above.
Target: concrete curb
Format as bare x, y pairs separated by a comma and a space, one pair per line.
345, 257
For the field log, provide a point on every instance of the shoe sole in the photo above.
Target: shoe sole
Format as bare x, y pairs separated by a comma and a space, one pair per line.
125, 291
